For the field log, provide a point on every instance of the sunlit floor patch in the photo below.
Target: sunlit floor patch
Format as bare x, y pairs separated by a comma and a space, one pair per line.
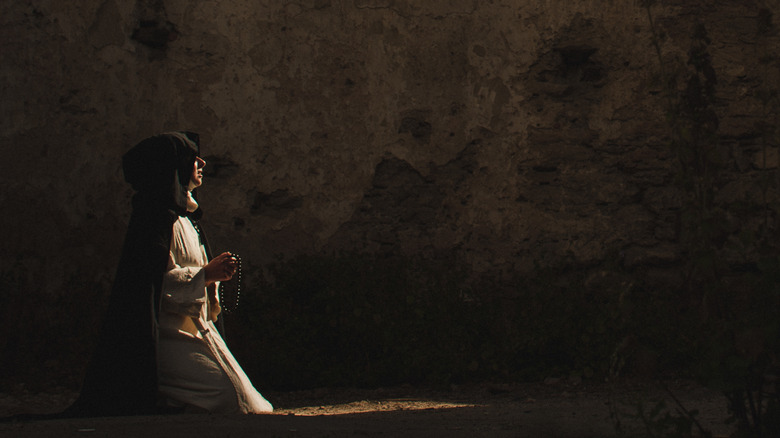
366, 406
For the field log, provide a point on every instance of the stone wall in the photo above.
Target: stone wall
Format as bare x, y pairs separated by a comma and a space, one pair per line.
516, 134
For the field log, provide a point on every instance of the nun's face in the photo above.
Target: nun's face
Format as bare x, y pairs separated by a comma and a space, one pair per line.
197, 171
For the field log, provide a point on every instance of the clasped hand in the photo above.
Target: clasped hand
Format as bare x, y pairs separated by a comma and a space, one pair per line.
221, 268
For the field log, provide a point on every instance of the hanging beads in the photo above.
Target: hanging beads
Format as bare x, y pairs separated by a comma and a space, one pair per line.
234, 284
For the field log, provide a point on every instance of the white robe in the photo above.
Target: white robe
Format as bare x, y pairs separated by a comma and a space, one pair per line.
194, 366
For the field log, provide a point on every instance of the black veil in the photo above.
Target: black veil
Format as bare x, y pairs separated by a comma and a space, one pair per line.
121, 378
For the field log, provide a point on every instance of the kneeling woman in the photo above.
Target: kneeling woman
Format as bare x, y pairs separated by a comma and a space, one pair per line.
159, 349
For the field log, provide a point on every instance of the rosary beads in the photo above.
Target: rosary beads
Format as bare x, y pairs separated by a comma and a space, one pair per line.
235, 285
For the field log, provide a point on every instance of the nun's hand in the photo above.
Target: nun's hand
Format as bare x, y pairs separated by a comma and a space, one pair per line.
220, 268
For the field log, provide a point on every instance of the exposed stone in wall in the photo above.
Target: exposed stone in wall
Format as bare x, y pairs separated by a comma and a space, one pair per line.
514, 134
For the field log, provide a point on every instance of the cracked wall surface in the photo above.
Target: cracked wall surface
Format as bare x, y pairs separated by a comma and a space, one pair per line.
517, 134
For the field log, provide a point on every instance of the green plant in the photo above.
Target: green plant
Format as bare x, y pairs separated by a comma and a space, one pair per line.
735, 334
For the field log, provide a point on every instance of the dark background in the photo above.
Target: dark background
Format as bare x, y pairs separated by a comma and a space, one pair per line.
422, 192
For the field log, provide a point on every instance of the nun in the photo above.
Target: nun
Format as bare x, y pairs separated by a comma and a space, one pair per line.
159, 350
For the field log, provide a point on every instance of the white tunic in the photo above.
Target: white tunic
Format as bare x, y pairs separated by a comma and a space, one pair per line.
194, 366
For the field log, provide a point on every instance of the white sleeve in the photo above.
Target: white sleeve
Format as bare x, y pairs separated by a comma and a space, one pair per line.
184, 283
184, 289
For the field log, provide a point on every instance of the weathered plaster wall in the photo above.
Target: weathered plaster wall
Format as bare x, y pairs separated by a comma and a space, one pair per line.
516, 133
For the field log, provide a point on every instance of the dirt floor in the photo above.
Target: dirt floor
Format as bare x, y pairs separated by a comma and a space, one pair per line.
555, 408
